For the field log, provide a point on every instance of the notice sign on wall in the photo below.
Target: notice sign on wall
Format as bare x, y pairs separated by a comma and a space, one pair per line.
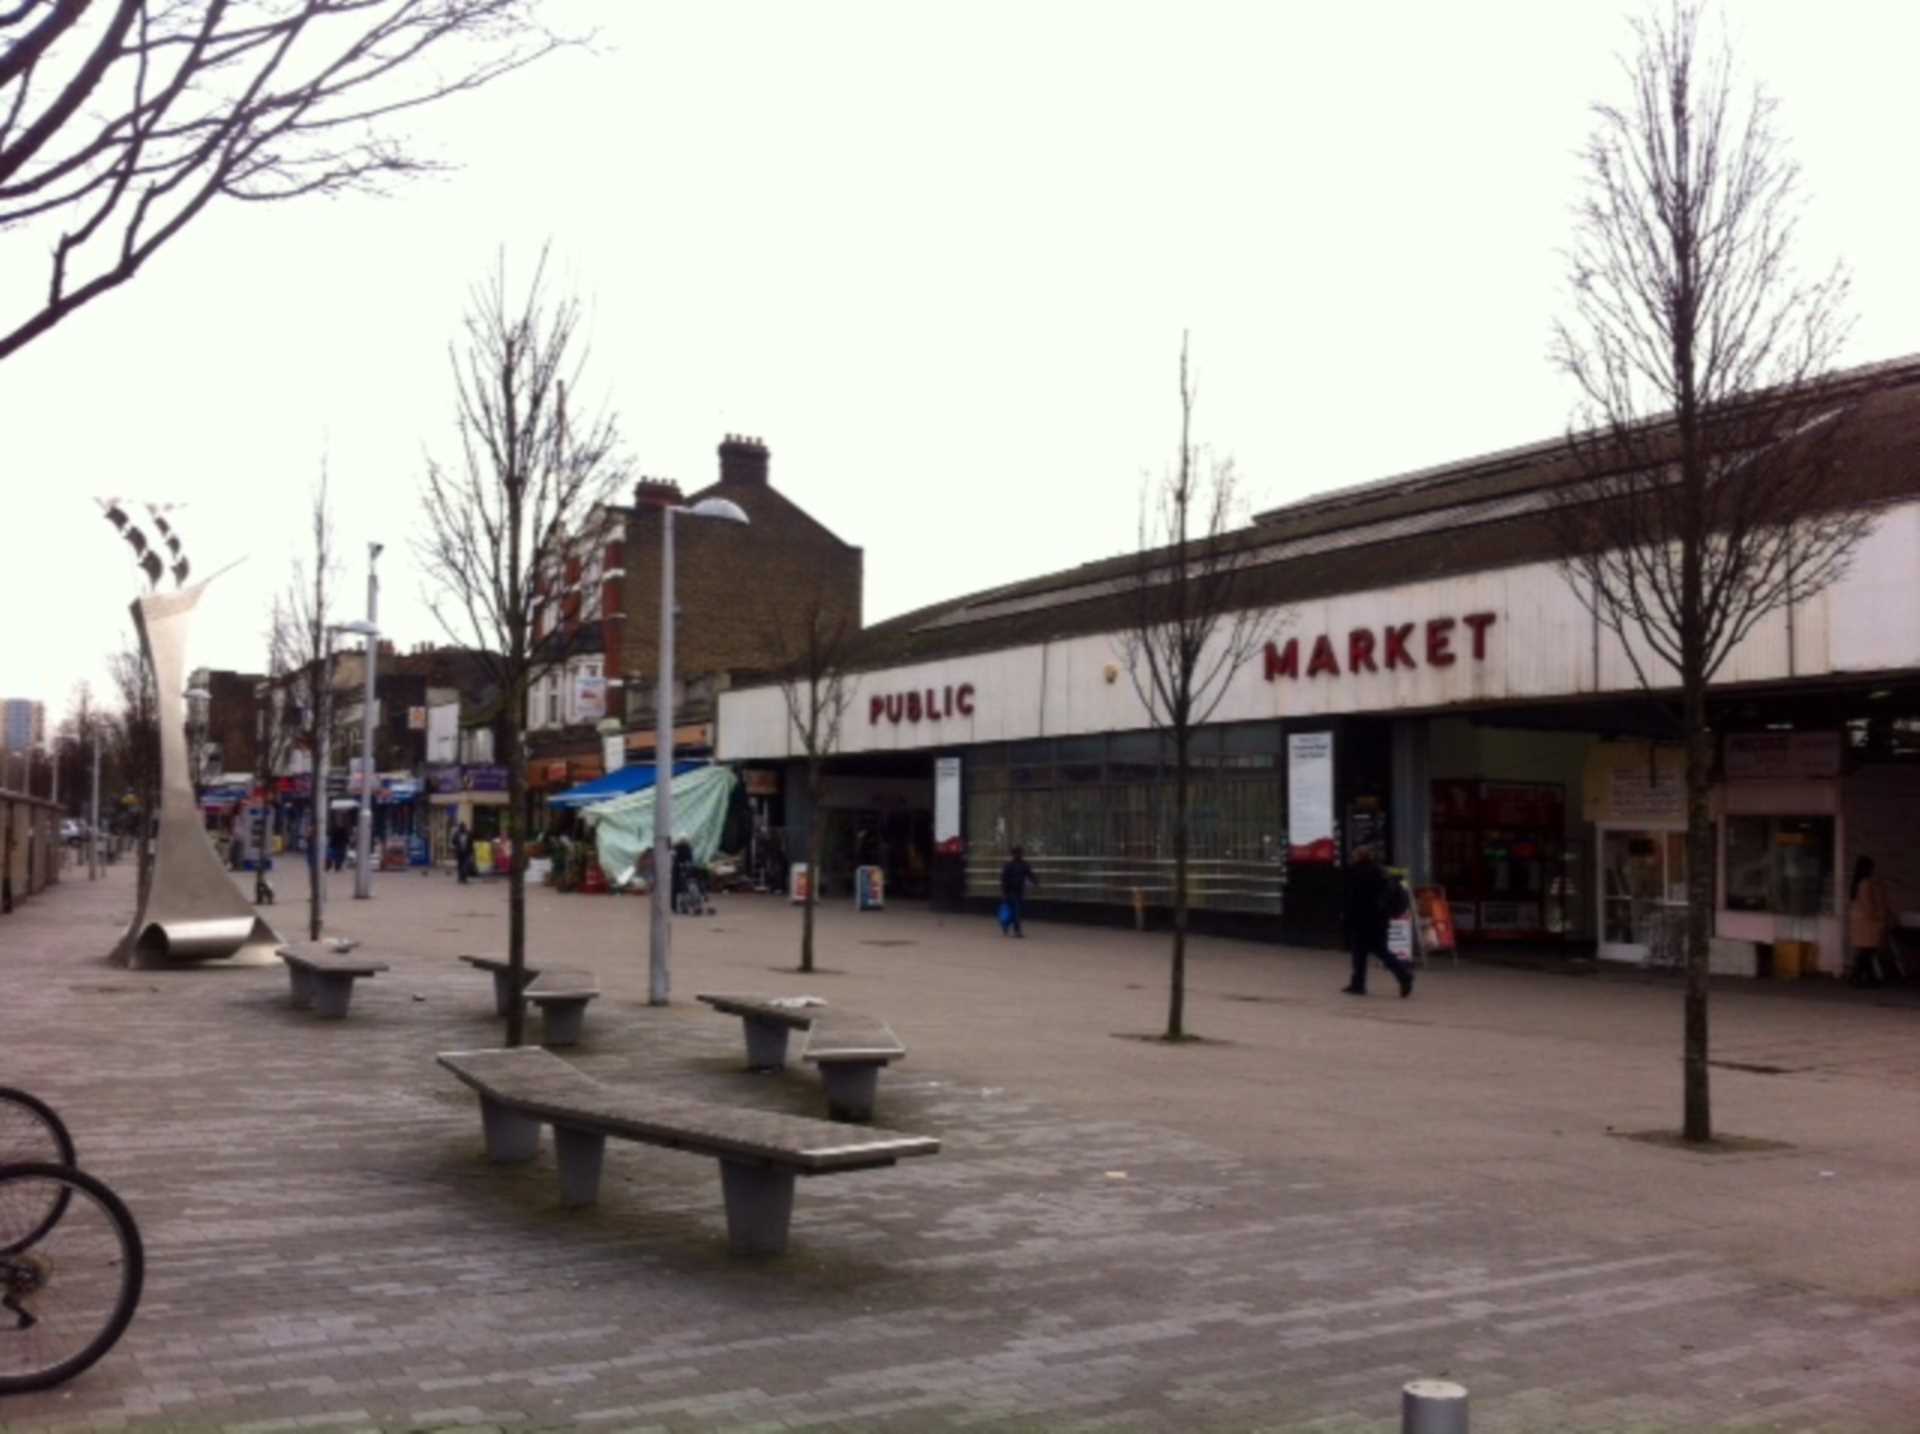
1310, 797
946, 805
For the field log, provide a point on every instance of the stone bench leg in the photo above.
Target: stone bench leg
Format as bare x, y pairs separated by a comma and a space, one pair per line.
301, 980
332, 994
766, 1044
581, 1154
851, 1088
759, 1207
512, 1138
503, 993
563, 1022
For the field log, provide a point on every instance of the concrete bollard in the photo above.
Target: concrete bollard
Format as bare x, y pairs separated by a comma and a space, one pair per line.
1433, 1406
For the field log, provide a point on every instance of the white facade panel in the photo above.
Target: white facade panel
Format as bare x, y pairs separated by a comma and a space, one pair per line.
1480, 639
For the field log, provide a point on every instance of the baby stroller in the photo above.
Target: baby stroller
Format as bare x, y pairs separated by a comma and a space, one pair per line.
689, 882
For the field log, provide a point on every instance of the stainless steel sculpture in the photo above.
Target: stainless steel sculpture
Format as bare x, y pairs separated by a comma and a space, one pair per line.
191, 910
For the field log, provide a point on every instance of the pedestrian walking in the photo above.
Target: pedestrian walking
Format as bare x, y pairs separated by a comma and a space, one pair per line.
336, 847
462, 852
1015, 877
1866, 923
1371, 898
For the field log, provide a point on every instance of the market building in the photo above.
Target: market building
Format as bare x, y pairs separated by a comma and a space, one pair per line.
1434, 686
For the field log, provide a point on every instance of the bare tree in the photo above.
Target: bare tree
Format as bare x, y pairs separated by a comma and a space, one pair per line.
1705, 432
135, 738
501, 524
122, 120
1188, 631
300, 661
809, 638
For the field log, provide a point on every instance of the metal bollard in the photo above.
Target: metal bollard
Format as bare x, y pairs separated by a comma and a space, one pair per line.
1433, 1406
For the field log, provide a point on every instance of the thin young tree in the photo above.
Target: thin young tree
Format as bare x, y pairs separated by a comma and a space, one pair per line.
300, 660
809, 639
1704, 436
527, 490
121, 121
134, 734
1189, 630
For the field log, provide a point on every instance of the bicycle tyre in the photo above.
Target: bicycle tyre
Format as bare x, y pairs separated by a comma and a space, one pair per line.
51, 1143
132, 1266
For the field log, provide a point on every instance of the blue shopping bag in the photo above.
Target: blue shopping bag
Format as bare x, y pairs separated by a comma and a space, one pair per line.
1006, 915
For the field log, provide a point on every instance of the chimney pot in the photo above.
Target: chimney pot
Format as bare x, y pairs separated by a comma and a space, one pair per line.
743, 460
656, 493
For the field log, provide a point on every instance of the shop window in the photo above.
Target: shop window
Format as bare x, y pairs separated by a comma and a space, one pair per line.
1782, 865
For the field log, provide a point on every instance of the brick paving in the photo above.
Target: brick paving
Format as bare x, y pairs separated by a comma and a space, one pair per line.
1270, 1229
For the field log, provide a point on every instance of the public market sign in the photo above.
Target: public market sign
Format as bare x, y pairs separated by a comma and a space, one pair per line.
929, 705
1438, 642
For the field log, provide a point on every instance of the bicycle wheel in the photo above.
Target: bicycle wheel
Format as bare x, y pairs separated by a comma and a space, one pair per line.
30, 1133
65, 1300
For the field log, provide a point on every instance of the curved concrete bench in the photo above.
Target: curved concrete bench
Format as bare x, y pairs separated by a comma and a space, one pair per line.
768, 1021
760, 1152
562, 996
322, 976
849, 1050
502, 970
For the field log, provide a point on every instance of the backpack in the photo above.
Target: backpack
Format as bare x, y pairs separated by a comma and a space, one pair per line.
1394, 901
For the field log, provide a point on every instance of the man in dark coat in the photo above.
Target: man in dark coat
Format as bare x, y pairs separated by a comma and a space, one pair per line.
1015, 877
1368, 886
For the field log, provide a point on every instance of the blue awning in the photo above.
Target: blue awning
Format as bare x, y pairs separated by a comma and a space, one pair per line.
634, 777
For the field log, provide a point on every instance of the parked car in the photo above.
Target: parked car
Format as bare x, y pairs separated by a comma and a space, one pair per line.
73, 833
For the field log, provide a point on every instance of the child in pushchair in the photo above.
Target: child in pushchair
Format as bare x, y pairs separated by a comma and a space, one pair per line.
689, 882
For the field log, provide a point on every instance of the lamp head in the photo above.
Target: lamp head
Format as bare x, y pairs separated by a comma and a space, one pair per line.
723, 508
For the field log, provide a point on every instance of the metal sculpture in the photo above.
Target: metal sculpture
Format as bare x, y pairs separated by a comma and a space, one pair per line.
191, 910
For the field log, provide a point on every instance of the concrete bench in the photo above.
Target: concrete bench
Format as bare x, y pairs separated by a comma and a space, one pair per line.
768, 1021
562, 996
850, 1050
503, 992
322, 975
760, 1152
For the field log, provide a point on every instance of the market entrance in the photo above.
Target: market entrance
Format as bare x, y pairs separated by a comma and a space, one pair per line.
875, 811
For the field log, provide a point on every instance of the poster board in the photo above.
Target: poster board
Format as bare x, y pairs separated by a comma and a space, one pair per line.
1436, 919
1310, 797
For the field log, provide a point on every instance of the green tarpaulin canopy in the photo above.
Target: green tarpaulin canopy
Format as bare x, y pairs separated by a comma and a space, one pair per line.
623, 828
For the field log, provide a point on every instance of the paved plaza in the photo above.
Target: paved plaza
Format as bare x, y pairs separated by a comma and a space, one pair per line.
1272, 1228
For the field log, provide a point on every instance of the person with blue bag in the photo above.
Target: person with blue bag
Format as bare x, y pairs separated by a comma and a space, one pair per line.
1015, 877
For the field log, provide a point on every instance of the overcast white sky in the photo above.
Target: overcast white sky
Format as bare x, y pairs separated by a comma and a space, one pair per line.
939, 257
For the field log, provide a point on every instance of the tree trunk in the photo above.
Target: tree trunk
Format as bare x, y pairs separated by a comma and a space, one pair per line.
516, 882
815, 834
1698, 1120
1177, 994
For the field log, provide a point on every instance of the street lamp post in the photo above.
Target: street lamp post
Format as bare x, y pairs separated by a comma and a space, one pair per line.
372, 635
363, 872
93, 819
661, 934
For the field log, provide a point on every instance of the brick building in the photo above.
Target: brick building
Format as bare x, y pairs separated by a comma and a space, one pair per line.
729, 578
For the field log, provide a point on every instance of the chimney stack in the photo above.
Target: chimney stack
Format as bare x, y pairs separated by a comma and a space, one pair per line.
743, 460
656, 493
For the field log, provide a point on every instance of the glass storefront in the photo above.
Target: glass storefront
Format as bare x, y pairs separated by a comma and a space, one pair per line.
1094, 816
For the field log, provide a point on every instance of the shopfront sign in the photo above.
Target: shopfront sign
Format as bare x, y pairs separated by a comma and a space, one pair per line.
1437, 642
1310, 797
443, 779
589, 697
483, 779
920, 705
1782, 756
1656, 798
